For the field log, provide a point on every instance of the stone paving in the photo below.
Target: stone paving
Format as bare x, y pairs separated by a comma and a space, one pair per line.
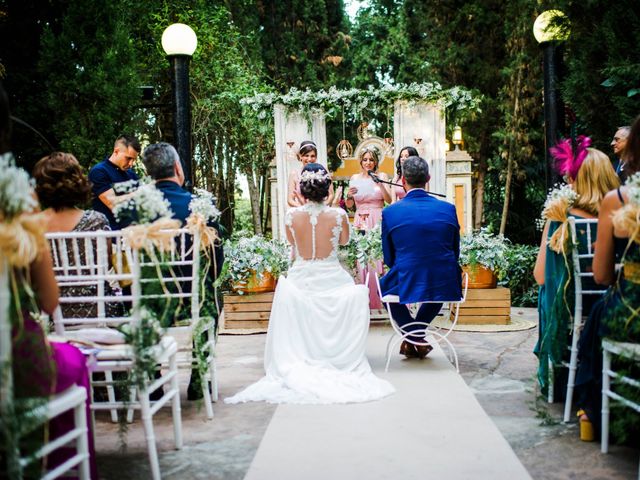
498, 367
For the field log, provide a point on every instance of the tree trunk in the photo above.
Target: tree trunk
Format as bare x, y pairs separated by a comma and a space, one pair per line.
479, 195
254, 198
511, 153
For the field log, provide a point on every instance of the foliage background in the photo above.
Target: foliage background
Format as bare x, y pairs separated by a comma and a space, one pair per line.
74, 68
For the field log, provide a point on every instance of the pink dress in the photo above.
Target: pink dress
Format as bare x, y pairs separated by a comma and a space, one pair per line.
399, 191
369, 204
39, 371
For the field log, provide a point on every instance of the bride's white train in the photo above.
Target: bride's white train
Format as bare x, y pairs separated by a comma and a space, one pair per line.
315, 350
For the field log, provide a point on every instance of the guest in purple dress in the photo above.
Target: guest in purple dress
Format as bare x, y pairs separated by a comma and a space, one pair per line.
41, 368
398, 192
369, 198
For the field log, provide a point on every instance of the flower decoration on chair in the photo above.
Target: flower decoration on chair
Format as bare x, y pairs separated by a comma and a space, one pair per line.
556, 208
150, 216
21, 241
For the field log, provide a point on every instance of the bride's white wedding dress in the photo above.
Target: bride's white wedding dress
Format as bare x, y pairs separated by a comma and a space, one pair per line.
315, 349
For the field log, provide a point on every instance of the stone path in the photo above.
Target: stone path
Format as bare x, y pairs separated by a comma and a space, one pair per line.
432, 427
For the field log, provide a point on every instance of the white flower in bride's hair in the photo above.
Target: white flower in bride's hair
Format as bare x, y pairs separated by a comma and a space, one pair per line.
317, 176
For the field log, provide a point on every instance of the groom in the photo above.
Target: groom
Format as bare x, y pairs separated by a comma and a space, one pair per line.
421, 245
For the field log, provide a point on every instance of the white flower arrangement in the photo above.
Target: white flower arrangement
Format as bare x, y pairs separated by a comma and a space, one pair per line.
203, 203
364, 249
256, 254
633, 188
145, 205
16, 189
485, 248
354, 101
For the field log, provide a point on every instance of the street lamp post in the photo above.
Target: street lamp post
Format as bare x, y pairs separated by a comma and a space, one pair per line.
549, 33
179, 42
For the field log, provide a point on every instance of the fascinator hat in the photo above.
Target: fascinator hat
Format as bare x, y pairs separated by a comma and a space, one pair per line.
569, 154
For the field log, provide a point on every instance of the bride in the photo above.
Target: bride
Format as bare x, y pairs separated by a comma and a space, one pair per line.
315, 349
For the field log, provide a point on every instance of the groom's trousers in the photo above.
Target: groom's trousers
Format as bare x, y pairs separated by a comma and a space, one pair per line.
426, 313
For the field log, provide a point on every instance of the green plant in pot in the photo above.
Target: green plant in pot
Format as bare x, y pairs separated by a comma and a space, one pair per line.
483, 255
252, 264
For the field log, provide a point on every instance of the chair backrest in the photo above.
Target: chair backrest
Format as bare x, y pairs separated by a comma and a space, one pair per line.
180, 272
82, 267
582, 258
87, 263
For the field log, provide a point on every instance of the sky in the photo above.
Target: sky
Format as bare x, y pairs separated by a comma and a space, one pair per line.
352, 7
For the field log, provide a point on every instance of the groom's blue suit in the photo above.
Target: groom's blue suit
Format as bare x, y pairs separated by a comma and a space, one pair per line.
421, 245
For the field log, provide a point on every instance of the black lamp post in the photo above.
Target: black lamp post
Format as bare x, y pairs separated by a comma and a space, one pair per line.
549, 34
179, 42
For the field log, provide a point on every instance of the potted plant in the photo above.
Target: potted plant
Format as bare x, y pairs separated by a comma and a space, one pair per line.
483, 255
252, 264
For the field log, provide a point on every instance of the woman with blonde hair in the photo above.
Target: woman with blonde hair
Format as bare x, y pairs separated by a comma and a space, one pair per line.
590, 176
617, 242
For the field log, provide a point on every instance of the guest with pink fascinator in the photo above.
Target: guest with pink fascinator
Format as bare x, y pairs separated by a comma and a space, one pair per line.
589, 176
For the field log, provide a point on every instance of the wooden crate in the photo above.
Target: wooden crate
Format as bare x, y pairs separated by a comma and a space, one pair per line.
486, 306
248, 313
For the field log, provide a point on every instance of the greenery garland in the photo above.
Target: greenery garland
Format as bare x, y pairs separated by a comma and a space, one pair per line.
458, 102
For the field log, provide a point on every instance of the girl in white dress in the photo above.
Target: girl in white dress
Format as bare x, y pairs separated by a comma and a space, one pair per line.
315, 350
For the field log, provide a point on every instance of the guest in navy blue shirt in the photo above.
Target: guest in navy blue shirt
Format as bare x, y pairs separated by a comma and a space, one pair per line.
110, 171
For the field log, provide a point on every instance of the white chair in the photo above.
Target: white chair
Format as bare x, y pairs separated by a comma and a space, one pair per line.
74, 398
580, 257
629, 351
429, 331
182, 265
91, 269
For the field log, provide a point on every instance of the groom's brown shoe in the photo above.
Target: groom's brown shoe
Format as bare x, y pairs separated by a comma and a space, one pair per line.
408, 350
423, 350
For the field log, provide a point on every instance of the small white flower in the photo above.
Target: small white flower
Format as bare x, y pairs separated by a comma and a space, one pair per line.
15, 189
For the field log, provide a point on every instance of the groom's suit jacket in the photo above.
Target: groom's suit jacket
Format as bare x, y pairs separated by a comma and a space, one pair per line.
421, 245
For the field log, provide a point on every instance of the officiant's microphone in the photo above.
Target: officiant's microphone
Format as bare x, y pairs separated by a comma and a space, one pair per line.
377, 179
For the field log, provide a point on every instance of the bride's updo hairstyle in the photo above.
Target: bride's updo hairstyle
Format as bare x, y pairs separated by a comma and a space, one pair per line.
315, 182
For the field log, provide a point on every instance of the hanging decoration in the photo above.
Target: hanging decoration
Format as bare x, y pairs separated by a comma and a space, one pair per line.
344, 149
388, 141
291, 153
363, 131
418, 144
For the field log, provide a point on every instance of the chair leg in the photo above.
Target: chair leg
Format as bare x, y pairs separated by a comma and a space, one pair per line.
132, 399
571, 383
175, 403
214, 378
111, 395
606, 386
206, 395
147, 423
82, 442
551, 382
393, 341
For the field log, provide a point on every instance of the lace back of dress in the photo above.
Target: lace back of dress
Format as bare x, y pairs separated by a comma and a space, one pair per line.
327, 242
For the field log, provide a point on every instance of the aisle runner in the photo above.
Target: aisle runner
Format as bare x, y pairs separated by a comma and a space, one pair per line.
433, 427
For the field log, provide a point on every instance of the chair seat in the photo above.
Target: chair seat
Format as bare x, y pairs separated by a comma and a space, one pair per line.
161, 352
